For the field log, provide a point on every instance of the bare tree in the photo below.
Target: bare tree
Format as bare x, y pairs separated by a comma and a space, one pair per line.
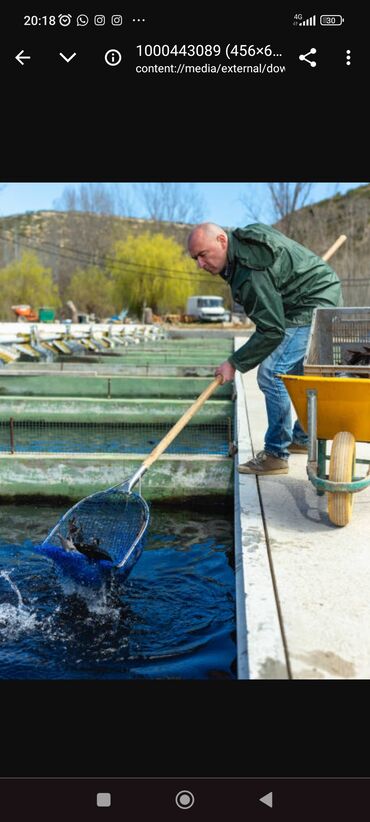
254, 202
280, 200
174, 202
286, 198
88, 229
96, 198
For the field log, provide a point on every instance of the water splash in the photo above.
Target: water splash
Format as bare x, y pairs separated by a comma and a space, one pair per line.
15, 619
13, 586
100, 601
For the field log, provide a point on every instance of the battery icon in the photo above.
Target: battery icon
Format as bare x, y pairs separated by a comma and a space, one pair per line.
331, 20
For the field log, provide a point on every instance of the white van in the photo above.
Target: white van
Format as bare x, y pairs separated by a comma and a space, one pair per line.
207, 308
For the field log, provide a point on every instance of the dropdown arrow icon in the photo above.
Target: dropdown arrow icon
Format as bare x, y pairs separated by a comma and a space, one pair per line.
67, 59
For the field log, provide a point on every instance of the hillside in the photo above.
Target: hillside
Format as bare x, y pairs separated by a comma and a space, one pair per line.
66, 240
318, 226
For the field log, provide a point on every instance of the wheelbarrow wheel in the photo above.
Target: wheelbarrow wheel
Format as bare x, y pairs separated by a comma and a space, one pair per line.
342, 461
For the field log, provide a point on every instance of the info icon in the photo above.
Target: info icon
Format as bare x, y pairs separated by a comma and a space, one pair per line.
113, 57
116, 19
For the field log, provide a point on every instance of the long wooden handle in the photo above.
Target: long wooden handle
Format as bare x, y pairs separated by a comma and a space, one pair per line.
180, 424
333, 248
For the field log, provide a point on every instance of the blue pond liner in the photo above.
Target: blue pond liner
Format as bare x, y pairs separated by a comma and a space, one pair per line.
85, 571
172, 619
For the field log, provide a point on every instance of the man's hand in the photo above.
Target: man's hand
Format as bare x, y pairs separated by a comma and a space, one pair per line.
226, 370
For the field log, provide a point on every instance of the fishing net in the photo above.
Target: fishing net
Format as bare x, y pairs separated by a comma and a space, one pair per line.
108, 526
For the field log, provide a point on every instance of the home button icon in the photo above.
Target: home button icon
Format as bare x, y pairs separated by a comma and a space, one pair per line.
184, 800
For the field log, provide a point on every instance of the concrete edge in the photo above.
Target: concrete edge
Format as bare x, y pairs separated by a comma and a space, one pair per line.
260, 647
103, 457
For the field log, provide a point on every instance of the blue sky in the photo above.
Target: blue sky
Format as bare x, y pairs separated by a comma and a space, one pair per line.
222, 201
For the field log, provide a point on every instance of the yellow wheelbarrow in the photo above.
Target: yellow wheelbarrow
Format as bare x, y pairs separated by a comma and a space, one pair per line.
337, 409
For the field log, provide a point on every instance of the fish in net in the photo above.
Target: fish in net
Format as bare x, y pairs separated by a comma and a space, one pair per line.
109, 526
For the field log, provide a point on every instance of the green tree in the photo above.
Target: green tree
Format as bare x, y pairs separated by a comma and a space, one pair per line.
156, 271
92, 291
26, 281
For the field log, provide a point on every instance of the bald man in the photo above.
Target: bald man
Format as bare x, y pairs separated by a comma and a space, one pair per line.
279, 283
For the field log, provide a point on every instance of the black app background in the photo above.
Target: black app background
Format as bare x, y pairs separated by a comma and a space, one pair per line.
99, 124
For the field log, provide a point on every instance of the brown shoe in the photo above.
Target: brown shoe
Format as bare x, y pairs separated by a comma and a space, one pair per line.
298, 448
264, 464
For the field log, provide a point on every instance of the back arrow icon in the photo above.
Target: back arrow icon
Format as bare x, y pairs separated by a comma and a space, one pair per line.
22, 56
67, 59
267, 799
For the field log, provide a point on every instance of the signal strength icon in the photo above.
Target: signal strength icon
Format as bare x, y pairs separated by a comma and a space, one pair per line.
311, 21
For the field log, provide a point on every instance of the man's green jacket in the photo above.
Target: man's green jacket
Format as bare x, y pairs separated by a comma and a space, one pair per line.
279, 283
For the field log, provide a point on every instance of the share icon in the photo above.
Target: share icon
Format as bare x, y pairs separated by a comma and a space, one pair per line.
304, 57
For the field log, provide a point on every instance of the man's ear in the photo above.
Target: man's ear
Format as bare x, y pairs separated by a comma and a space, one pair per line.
222, 239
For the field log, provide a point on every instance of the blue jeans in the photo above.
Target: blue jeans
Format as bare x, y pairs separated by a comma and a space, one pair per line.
287, 358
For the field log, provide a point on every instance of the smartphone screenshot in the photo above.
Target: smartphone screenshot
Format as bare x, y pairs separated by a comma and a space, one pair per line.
184, 405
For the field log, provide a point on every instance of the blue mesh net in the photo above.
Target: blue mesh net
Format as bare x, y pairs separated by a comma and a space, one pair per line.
107, 527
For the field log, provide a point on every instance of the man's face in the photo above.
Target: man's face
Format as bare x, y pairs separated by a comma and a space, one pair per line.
209, 252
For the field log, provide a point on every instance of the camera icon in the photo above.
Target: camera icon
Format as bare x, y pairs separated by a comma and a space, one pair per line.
82, 20
116, 19
99, 20
64, 19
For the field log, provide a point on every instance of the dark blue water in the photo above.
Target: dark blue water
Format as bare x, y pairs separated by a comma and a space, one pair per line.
174, 617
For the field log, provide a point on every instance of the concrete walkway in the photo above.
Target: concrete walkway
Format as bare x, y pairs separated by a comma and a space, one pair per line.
303, 584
